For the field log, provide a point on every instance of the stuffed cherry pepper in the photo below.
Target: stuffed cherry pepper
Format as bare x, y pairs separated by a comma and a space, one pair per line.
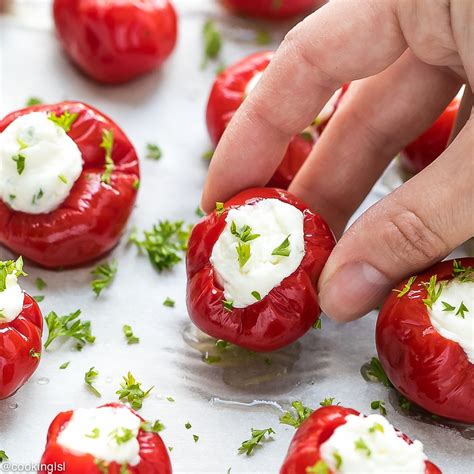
338, 440
117, 40
425, 339
21, 328
253, 265
432, 142
111, 439
231, 88
272, 9
68, 183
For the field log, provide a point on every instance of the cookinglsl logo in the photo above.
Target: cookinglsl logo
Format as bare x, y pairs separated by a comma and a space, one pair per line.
13, 467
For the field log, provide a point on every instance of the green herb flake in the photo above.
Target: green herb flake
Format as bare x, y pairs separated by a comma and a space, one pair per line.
376, 371
380, 406
196, 438
461, 273
199, 212
188, 425
153, 152
406, 288
337, 458
434, 290
122, 435
94, 434
38, 298
219, 208
64, 365
33, 101
129, 336
283, 250
40, 284
243, 253
221, 344
169, 303
212, 42
10, 267
35, 354
327, 402
136, 184
461, 310
320, 467
361, 445
317, 324
154, 427
64, 121
105, 274
62, 178
376, 427
258, 436
89, 378
132, 392
447, 306
107, 144
228, 305
20, 163
69, 326
164, 243
256, 295
301, 413
207, 155
244, 233
3, 456
170, 399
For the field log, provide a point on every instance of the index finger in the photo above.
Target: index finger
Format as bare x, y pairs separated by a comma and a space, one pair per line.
341, 42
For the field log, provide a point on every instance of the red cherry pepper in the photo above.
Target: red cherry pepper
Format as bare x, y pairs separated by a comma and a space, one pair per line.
154, 458
116, 40
432, 371
91, 219
20, 347
272, 8
304, 451
228, 93
281, 317
432, 142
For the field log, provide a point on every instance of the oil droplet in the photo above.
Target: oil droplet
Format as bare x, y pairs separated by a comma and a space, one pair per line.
43, 381
13, 405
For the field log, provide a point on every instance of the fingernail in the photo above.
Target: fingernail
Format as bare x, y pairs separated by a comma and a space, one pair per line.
352, 291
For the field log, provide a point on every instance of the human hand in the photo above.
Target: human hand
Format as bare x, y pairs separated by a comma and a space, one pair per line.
414, 56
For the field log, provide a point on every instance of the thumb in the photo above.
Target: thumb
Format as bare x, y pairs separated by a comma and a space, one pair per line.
415, 226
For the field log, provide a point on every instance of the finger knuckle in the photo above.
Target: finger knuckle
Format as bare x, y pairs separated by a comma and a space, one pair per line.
411, 240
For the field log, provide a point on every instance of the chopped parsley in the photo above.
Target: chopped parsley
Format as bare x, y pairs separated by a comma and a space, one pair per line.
199, 212
320, 467
434, 290
207, 155
10, 267
461, 310
132, 392
258, 436
283, 250
64, 121
301, 413
447, 306
463, 274
94, 434
317, 324
3, 456
243, 253
107, 144
105, 274
164, 243
20, 163
40, 284
196, 438
404, 403
37, 196
337, 458
212, 42
406, 288
219, 208
33, 101
153, 152
221, 344
376, 372
64, 365
136, 184
122, 435
228, 305
244, 233
128, 333
154, 427
170, 399
376, 427
188, 425
69, 326
327, 402
89, 378
361, 445
34, 354
379, 405
211, 359
169, 303
256, 295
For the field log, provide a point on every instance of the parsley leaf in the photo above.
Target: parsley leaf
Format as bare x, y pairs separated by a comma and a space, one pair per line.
128, 333
379, 405
169, 303
434, 290
64, 121
447, 306
40, 284
361, 445
68, 326
283, 250
256, 295
33, 101
94, 434
376, 372
188, 425
107, 144
228, 305
132, 392
463, 274
219, 208
212, 42
327, 402
89, 379
3, 456
376, 427
406, 288
10, 267
20, 163
258, 436
164, 244
317, 324
462, 309
244, 233
196, 438
243, 253
153, 152
122, 435
106, 273
64, 365
320, 467
154, 427
300, 415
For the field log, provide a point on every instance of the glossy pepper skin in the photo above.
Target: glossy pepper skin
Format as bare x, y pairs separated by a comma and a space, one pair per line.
228, 93
304, 450
20, 340
114, 41
91, 219
432, 142
281, 317
432, 371
273, 9
153, 452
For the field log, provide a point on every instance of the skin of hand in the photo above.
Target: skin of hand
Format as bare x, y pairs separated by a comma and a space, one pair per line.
406, 60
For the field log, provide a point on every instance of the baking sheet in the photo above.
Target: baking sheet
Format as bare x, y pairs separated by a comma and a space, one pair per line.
222, 401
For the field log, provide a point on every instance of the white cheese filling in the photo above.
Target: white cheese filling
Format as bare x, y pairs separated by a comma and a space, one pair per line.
273, 221
108, 433
11, 299
452, 314
371, 445
39, 164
